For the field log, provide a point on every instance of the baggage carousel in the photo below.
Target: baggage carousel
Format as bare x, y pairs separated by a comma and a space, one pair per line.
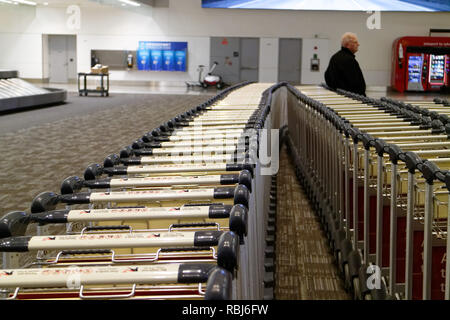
16, 94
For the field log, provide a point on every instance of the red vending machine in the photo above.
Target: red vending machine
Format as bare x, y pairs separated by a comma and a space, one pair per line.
421, 64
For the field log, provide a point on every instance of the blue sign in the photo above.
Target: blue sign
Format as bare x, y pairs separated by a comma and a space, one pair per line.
169, 60
143, 58
156, 60
180, 60
162, 56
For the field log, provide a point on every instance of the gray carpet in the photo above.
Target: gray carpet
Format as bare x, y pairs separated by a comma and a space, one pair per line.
42, 147
304, 264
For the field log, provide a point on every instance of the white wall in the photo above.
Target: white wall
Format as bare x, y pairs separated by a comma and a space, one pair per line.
21, 30
310, 47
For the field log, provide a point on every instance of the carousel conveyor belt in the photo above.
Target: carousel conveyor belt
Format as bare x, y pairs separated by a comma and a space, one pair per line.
305, 268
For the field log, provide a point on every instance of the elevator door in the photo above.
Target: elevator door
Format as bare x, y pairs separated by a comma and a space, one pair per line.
289, 62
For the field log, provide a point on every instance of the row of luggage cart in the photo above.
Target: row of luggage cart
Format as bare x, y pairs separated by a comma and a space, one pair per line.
376, 172
180, 213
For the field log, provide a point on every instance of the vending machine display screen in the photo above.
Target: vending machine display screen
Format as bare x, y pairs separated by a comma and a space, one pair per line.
437, 67
415, 69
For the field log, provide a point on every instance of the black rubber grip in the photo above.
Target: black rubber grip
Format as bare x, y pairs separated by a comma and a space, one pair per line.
366, 139
141, 144
223, 193
394, 152
206, 238
239, 220
126, 152
71, 185
131, 161
245, 178
228, 251
54, 216
75, 198
445, 119
115, 171
229, 179
429, 171
441, 175
447, 180
45, 201
160, 139
124, 227
14, 224
219, 211
412, 160
111, 160
193, 225
355, 134
143, 152
93, 171
15, 244
98, 184
148, 137
380, 145
87, 251
202, 204
241, 195
194, 273
437, 127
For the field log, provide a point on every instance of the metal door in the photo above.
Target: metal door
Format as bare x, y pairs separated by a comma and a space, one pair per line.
289, 62
62, 61
225, 50
249, 70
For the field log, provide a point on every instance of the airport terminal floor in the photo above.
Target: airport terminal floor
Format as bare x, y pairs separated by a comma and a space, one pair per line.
43, 146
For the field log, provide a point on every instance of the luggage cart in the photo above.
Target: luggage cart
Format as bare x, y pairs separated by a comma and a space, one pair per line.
173, 281
365, 177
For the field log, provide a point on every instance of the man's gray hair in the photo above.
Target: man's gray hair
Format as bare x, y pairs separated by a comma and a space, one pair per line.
347, 38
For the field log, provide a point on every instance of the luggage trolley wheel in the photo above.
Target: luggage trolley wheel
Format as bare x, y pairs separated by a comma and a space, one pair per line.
346, 248
351, 270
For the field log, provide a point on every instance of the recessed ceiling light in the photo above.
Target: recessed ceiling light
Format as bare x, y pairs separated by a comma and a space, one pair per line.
30, 3
131, 3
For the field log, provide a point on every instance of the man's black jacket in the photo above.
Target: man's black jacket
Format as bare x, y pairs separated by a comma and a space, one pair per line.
344, 72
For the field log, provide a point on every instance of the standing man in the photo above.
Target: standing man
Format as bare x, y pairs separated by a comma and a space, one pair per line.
344, 72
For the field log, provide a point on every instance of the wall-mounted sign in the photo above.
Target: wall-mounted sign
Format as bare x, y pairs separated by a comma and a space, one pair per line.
162, 56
